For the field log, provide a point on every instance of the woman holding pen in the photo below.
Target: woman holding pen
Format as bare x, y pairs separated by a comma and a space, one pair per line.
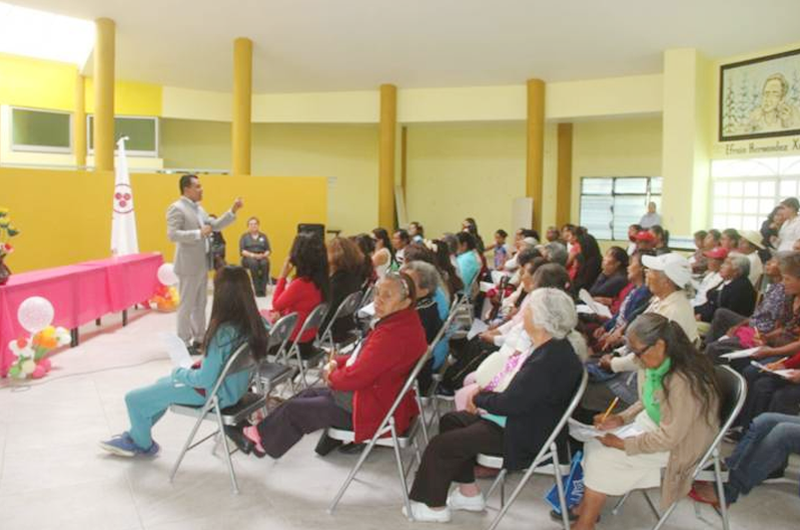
677, 416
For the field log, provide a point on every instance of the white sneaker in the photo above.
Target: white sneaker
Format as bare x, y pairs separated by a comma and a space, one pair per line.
423, 514
457, 501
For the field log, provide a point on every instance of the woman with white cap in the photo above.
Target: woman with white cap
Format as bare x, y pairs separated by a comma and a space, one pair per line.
749, 245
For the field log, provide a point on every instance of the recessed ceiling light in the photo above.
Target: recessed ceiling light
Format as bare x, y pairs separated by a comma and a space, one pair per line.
45, 35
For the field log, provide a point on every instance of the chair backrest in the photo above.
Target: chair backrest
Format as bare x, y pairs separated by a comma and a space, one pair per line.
346, 309
314, 318
369, 293
281, 331
239, 361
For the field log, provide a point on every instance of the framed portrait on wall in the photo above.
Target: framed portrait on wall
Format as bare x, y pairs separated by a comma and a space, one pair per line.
760, 98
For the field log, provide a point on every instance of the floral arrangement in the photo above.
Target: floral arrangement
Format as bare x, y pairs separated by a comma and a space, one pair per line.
7, 231
31, 352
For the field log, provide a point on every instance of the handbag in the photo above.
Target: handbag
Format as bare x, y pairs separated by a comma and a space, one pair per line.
573, 486
5, 272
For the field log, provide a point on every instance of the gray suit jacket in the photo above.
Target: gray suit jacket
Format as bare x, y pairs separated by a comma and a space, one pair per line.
192, 252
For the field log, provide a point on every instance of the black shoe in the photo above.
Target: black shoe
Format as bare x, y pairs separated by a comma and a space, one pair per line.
326, 444
572, 516
195, 348
243, 443
352, 449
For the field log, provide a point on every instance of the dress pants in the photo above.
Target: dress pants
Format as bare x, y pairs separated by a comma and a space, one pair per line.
768, 393
764, 449
310, 410
146, 405
192, 309
259, 272
450, 456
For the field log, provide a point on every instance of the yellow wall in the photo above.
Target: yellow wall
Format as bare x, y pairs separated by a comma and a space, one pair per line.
464, 170
130, 98
65, 216
614, 148
196, 144
37, 83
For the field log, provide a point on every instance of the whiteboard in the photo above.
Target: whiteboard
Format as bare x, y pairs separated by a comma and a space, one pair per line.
522, 213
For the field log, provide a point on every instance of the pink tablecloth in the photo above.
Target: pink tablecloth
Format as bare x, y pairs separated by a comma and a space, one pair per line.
79, 293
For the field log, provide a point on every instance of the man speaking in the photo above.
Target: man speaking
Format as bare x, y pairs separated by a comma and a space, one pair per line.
190, 228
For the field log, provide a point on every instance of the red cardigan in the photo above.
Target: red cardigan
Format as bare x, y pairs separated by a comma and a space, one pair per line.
386, 359
301, 297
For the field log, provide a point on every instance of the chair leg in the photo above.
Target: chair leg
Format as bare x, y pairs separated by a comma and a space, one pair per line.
514, 495
562, 498
228, 459
186, 445
417, 452
423, 419
651, 505
364, 454
723, 504
501, 477
400, 470
665, 516
618, 506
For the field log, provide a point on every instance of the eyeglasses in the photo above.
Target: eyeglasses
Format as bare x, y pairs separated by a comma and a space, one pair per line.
639, 353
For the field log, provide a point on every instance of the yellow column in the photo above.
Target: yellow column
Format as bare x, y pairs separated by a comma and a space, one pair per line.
104, 94
79, 121
564, 174
535, 160
242, 104
388, 136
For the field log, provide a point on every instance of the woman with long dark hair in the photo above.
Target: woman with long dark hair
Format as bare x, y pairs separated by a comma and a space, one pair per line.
445, 265
470, 226
468, 260
309, 288
346, 264
677, 416
234, 321
588, 260
383, 258
367, 246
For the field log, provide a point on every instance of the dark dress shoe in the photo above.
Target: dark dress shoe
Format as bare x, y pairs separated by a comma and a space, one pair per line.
326, 444
352, 449
243, 443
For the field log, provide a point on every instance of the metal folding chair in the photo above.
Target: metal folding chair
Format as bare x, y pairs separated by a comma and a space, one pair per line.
347, 309
293, 357
396, 440
239, 361
271, 374
548, 452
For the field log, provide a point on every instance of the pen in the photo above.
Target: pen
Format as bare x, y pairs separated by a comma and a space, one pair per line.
609, 409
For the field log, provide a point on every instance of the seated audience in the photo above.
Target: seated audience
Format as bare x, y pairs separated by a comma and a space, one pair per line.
367, 247
584, 259
400, 240
698, 258
234, 321
712, 278
371, 377
441, 258
469, 264
255, 251
712, 239
346, 266
749, 246
471, 227
426, 282
760, 455
555, 252
514, 423
383, 258
661, 244
735, 293
768, 392
309, 288
553, 235
769, 228
729, 239
613, 277
789, 231
645, 241
416, 231
677, 412
632, 231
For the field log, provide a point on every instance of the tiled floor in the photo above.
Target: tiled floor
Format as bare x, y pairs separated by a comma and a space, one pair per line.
53, 475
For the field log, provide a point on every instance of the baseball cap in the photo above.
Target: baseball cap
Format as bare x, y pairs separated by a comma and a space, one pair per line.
716, 253
753, 237
673, 265
644, 235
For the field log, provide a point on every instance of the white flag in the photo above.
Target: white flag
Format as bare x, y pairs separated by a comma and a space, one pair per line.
123, 225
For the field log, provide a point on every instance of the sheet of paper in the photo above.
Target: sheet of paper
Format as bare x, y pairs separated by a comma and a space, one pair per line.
177, 351
740, 354
478, 327
584, 433
781, 373
485, 286
368, 310
596, 307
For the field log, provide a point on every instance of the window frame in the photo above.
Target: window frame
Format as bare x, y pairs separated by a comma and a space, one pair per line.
648, 195
28, 148
129, 152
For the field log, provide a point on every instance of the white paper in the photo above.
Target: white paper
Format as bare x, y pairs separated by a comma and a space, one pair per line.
596, 307
368, 310
478, 327
485, 286
585, 433
782, 373
582, 309
740, 354
177, 351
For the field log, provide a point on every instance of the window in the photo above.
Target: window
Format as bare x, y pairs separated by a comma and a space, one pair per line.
142, 133
744, 191
41, 130
609, 205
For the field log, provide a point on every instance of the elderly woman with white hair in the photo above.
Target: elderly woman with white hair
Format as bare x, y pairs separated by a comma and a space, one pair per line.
514, 423
735, 293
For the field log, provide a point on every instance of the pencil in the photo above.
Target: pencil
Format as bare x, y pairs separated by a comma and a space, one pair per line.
609, 409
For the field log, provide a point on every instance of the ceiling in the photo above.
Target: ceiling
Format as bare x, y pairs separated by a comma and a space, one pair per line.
331, 45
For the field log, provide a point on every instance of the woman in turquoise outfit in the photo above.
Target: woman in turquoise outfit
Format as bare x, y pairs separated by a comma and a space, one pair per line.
234, 320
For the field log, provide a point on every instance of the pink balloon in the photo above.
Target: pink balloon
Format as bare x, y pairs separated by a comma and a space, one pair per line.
39, 372
46, 364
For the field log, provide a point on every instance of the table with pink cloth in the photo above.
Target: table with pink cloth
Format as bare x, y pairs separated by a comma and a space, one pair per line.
79, 293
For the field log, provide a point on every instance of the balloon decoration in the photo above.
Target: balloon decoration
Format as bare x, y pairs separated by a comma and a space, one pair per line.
166, 298
36, 316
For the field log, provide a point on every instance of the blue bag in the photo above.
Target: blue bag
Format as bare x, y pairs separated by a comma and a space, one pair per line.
573, 486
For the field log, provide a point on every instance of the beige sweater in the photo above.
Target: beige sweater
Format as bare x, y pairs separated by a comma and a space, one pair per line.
683, 431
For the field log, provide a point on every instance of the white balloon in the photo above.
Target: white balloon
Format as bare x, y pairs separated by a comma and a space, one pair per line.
166, 275
35, 314
28, 367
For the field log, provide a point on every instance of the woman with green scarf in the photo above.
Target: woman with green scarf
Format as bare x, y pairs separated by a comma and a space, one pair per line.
674, 422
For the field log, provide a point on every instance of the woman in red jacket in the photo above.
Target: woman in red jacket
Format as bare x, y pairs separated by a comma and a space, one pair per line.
306, 291
361, 386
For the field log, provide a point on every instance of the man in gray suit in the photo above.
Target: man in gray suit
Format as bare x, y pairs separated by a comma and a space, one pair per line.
190, 228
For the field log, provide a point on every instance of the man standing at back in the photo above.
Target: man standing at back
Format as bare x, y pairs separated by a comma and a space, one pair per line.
651, 218
190, 228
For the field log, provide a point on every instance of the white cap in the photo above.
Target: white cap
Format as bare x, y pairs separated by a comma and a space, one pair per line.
673, 265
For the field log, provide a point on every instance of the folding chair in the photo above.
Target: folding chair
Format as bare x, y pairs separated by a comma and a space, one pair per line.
734, 392
346, 309
397, 440
271, 374
293, 357
549, 451
239, 361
